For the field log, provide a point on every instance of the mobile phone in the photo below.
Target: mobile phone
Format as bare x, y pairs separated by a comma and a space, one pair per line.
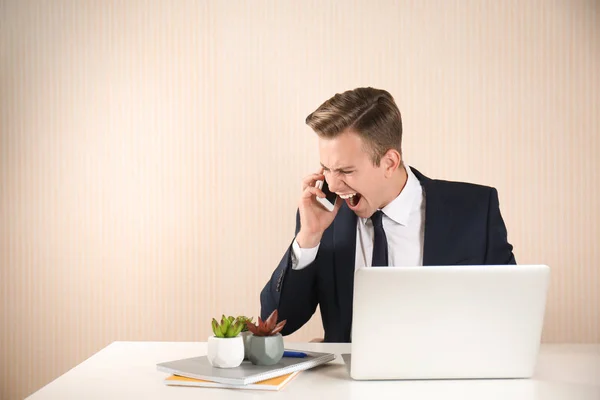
330, 198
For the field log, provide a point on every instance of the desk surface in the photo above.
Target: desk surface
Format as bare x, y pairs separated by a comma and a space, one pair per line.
127, 370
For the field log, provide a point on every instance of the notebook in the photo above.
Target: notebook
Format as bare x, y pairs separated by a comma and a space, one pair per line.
246, 373
269, 384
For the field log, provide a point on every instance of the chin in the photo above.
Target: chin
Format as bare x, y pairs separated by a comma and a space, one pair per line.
362, 213
363, 210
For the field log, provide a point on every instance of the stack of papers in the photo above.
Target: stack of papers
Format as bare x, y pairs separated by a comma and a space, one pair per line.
269, 384
197, 371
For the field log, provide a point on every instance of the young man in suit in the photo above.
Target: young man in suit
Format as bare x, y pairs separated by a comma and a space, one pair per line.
387, 213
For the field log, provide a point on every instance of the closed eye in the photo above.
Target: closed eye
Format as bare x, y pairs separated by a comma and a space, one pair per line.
343, 170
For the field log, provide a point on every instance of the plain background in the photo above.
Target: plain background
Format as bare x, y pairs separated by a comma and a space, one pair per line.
152, 152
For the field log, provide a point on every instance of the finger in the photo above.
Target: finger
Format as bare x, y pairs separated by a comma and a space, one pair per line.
312, 191
311, 179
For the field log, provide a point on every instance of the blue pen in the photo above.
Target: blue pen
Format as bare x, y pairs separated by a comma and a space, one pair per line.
296, 354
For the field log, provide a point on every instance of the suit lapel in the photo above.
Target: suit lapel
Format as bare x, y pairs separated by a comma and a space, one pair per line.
435, 222
344, 254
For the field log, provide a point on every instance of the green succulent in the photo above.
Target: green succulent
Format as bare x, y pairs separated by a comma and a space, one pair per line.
228, 328
244, 319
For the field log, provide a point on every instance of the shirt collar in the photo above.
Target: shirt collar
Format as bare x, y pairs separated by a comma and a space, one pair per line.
399, 209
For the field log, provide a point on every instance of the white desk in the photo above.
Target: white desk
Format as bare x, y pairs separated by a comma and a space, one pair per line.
127, 370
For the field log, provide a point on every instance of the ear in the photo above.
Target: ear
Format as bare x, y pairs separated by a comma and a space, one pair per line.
390, 162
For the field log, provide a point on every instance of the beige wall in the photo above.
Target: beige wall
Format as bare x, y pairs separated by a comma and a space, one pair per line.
152, 151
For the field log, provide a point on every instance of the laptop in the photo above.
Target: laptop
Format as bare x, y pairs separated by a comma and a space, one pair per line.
447, 322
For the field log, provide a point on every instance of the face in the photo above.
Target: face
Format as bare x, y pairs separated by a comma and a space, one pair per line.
350, 172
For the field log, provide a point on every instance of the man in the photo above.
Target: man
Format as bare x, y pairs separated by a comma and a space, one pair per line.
386, 214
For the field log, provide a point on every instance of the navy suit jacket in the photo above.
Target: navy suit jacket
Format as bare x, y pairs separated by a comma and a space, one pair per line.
463, 225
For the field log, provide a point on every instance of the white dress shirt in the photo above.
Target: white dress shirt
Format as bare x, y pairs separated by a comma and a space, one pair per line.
403, 222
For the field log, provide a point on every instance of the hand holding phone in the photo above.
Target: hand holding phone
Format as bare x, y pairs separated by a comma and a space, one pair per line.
330, 198
318, 207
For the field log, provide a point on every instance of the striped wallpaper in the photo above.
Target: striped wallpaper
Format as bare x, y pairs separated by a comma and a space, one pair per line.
151, 152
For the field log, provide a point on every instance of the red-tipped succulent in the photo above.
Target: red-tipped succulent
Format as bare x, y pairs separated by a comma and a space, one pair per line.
269, 327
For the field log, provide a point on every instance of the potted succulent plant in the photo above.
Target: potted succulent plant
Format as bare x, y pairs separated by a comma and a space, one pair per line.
245, 334
266, 343
226, 347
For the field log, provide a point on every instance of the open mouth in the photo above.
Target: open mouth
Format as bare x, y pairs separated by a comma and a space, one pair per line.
352, 199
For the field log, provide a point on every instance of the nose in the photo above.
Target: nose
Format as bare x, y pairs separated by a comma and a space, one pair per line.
335, 183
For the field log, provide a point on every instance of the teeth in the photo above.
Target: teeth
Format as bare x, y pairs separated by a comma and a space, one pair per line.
347, 196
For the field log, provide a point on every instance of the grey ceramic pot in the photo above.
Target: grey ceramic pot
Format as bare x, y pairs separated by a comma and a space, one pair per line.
265, 350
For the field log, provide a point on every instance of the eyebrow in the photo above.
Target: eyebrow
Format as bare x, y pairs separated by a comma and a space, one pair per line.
339, 169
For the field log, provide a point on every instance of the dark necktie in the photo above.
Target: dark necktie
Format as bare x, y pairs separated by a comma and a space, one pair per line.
380, 248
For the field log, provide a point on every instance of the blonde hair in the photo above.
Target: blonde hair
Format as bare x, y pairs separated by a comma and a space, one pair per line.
370, 113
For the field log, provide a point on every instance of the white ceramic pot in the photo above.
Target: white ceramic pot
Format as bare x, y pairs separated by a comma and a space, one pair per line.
225, 352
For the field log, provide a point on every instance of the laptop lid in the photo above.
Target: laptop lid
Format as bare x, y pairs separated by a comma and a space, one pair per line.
448, 322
